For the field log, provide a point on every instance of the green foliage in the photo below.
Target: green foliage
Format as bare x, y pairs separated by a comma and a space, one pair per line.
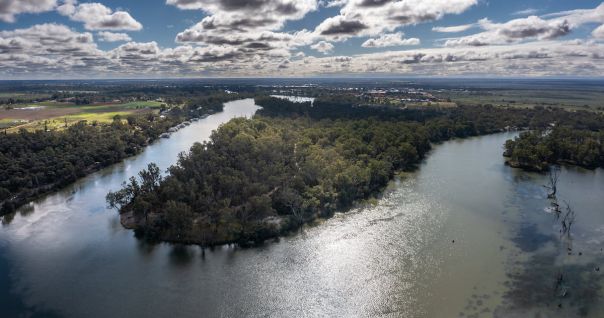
256, 178
293, 170
536, 150
32, 163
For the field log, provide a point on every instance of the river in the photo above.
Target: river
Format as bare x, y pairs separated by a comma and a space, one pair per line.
464, 236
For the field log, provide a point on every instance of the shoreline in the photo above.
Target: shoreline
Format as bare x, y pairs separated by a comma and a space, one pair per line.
12, 205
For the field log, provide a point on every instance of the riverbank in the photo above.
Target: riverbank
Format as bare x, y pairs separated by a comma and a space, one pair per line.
397, 254
78, 151
261, 178
560, 145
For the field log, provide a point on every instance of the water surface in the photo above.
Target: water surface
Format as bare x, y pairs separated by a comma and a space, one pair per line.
464, 236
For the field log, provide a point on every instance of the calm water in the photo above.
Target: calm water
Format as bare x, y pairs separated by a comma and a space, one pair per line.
464, 236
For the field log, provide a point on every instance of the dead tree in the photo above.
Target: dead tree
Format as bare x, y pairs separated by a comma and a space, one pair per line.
553, 174
568, 220
556, 208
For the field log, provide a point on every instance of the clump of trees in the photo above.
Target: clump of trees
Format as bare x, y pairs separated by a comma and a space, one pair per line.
34, 163
294, 162
258, 177
537, 150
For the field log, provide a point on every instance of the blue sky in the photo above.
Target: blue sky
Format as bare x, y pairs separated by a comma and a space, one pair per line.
299, 38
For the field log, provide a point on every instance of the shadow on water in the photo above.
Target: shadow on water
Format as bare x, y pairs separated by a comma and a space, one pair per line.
546, 277
529, 239
535, 287
145, 247
181, 255
12, 305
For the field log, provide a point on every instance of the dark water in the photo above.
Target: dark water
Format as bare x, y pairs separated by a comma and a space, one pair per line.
68, 256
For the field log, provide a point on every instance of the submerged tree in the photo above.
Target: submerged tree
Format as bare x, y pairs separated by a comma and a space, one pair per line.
568, 220
552, 175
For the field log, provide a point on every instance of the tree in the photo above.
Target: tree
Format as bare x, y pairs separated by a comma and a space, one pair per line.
552, 175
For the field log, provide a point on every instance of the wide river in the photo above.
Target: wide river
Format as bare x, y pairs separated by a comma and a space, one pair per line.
464, 236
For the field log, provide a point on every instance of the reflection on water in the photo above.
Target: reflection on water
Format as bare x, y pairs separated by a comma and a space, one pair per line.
464, 236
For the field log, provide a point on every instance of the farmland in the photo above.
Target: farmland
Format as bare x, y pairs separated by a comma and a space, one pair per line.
563, 98
55, 115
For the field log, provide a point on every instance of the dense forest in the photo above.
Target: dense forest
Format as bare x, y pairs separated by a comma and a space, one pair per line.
258, 177
33, 163
293, 162
537, 150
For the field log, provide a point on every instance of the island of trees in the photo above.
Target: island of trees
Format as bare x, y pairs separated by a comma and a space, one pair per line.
294, 162
537, 150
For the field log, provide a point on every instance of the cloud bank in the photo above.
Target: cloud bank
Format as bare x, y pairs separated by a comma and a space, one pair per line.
250, 38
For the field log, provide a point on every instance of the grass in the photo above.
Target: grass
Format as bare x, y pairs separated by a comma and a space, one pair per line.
90, 113
7, 122
120, 107
58, 123
23, 95
568, 99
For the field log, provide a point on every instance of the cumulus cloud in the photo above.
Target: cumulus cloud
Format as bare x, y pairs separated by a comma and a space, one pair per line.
323, 47
547, 27
249, 30
599, 32
513, 31
387, 40
373, 17
50, 49
246, 38
106, 36
265, 14
97, 16
10, 8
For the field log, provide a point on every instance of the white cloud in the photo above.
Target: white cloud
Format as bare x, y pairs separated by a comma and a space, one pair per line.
323, 47
248, 30
454, 29
516, 30
373, 17
598, 33
97, 16
387, 40
49, 49
246, 38
529, 11
249, 14
10, 8
550, 26
113, 37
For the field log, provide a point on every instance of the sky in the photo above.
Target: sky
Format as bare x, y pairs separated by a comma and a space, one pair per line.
69, 39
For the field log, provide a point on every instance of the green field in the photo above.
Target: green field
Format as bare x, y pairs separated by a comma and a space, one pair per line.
587, 100
23, 95
55, 115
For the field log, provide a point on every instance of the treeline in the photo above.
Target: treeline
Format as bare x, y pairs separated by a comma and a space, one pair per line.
537, 150
484, 119
257, 178
34, 163
293, 162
